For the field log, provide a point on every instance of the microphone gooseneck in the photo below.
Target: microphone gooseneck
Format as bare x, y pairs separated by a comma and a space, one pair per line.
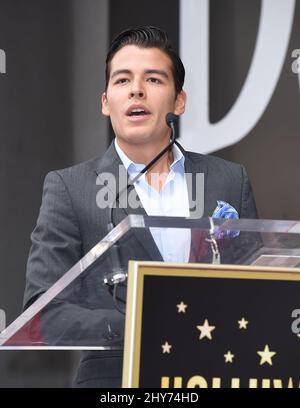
171, 119
118, 275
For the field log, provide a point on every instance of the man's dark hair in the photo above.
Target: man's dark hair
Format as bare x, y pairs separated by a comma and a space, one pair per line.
147, 37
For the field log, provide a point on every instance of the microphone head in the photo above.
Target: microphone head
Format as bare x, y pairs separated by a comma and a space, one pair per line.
171, 118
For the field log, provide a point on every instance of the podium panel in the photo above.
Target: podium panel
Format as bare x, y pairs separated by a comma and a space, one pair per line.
84, 307
211, 326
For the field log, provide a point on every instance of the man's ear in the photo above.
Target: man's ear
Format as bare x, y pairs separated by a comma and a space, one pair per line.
104, 102
180, 103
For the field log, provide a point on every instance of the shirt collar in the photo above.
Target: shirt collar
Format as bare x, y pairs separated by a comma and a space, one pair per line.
133, 167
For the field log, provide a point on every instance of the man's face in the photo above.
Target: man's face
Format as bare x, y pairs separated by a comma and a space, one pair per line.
140, 93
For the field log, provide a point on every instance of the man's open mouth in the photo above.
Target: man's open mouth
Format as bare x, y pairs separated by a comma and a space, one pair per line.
137, 111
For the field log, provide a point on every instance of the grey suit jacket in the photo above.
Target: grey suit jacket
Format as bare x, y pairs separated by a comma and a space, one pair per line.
70, 224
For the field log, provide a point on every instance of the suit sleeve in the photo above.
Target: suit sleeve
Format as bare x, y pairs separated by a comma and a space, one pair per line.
56, 247
248, 206
56, 241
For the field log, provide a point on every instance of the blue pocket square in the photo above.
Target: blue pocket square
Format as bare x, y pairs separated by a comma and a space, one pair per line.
225, 210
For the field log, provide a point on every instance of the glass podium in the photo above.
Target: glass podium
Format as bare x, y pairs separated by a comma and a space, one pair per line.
85, 307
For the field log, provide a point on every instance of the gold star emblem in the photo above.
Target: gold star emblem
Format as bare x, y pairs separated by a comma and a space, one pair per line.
243, 323
266, 355
205, 330
229, 357
298, 335
181, 307
166, 348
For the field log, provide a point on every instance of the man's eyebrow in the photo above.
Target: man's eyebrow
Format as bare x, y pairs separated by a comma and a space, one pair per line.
157, 71
120, 71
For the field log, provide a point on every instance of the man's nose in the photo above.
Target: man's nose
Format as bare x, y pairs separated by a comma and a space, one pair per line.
137, 90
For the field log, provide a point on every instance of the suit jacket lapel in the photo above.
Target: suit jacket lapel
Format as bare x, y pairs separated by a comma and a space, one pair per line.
198, 250
111, 164
192, 168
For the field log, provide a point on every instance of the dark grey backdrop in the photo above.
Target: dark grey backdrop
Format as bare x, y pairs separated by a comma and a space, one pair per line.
50, 118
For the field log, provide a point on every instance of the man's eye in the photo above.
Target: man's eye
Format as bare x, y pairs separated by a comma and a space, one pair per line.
155, 80
122, 81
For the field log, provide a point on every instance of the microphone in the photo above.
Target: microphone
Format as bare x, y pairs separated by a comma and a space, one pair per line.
118, 275
171, 119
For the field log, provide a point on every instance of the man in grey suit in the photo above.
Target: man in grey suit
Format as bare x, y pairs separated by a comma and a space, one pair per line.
144, 80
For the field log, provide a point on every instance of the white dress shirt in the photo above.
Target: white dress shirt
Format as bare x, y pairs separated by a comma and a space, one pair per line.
172, 201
